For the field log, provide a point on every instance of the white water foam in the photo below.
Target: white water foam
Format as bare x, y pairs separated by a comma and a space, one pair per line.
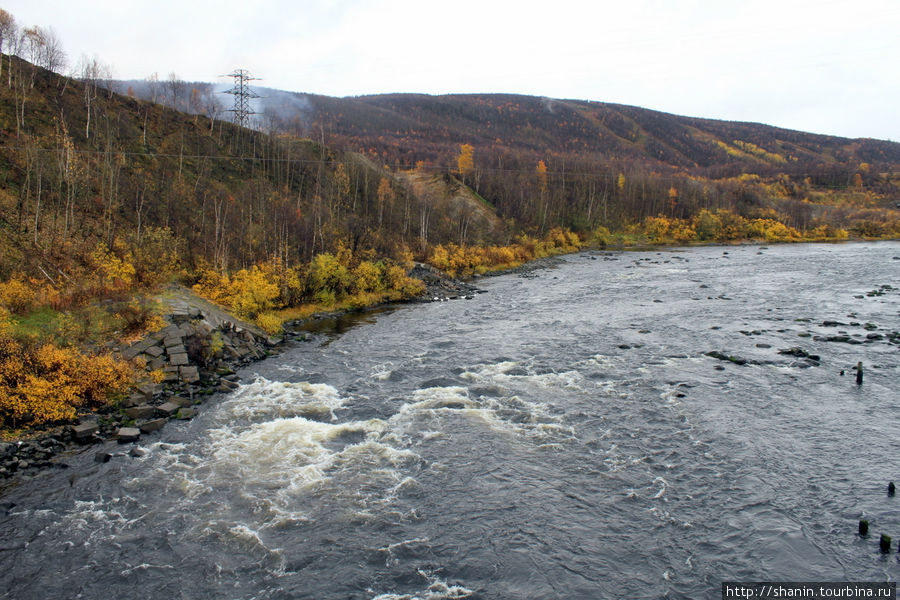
98, 519
277, 465
432, 403
264, 399
382, 372
506, 414
391, 549
508, 373
247, 542
664, 486
144, 567
437, 589
292, 451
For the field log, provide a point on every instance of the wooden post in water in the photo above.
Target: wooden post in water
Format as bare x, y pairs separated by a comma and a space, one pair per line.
892, 489
885, 543
859, 371
863, 527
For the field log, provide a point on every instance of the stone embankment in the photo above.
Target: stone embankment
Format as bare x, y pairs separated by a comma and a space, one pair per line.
196, 355
439, 287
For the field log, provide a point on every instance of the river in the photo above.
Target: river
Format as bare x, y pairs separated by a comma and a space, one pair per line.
563, 435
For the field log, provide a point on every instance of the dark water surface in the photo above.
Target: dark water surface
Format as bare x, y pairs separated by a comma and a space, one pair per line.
561, 436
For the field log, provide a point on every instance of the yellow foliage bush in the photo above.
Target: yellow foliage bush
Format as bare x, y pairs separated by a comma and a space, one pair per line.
211, 285
602, 237
17, 295
663, 230
734, 226
440, 258
827, 232
656, 228
115, 274
49, 383
771, 230
722, 225
269, 322
251, 292
329, 275
502, 256
367, 277
267, 293
400, 285
405, 257
463, 261
364, 299
707, 225
247, 292
557, 241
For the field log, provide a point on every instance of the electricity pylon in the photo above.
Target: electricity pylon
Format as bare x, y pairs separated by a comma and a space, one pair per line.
242, 96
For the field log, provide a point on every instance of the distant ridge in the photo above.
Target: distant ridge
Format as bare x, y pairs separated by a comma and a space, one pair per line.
406, 125
411, 127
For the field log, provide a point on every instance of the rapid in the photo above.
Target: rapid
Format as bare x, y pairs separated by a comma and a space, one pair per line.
563, 435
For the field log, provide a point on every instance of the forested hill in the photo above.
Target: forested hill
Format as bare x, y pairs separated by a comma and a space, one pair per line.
324, 203
543, 162
177, 193
412, 127
83, 164
582, 164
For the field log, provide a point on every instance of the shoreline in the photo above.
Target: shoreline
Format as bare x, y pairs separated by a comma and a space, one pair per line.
176, 350
193, 323
194, 326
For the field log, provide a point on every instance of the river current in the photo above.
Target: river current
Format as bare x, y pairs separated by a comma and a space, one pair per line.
563, 435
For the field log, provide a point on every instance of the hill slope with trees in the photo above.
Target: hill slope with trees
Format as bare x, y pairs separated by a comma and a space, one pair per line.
543, 162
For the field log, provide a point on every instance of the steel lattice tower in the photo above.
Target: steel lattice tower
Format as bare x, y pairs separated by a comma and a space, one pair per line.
242, 96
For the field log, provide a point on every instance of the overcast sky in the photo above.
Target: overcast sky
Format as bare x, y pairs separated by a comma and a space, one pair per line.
824, 66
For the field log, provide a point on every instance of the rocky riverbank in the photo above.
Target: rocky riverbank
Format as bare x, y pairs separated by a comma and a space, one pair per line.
439, 287
197, 354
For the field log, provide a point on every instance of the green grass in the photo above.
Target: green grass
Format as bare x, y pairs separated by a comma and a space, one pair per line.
93, 325
41, 324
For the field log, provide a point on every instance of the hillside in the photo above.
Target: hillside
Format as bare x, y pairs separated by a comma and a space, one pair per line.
420, 127
460, 209
105, 198
631, 161
83, 165
605, 164
410, 127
